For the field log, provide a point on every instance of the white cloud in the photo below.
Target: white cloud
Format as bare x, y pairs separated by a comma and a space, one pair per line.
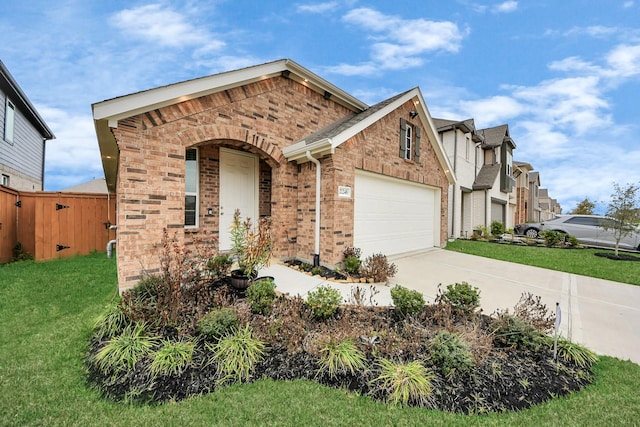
624, 61
628, 4
398, 42
506, 7
317, 7
492, 111
364, 69
162, 25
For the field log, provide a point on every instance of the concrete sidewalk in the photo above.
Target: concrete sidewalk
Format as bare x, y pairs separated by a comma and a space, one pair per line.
600, 314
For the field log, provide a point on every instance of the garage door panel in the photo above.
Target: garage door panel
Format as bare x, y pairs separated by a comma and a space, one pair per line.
391, 215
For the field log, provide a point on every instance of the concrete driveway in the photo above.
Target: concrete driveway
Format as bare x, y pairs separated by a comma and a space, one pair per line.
600, 314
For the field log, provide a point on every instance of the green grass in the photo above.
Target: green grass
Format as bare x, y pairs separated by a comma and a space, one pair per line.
575, 261
47, 311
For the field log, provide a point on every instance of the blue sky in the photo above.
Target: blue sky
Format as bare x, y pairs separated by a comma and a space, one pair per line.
564, 75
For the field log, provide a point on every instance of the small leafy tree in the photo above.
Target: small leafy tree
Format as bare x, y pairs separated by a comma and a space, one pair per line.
623, 210
585, 207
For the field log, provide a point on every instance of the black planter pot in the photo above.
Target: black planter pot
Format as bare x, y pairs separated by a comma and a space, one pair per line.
240, 280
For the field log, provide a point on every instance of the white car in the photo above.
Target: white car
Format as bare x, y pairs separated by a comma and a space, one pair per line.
588, 229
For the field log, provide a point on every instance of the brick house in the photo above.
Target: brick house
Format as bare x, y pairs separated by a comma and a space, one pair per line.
264, 140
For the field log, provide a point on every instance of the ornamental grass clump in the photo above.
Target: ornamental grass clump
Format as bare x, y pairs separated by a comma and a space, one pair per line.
236, 355
341, 357
572, 352
404, 383
111, 321
122, 352
172, 357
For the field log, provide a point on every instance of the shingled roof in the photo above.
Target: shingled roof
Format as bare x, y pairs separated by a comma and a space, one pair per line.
496, 136
349, 121
487, 177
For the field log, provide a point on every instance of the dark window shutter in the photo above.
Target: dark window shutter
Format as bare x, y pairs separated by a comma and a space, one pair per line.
416, 145
403, 135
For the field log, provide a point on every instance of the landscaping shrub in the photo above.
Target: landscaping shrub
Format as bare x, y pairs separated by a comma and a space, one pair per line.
172, 357
220, 265
340, 357
531, 309
20, 254
351, 260
497, 228
324, 301
261, 295
218, 323
404, 383
377, 267
406, 301
352, 264
450, 353
236, 355
553, 238
462, 297
512, 331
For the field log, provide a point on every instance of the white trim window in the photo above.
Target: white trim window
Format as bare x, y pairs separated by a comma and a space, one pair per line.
191, 175
4, 180
9, 121
408, 142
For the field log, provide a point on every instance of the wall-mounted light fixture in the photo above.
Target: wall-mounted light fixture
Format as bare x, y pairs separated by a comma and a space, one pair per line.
210, 211
413, 114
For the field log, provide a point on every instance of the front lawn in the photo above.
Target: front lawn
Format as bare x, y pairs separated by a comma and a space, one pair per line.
47, 311
575, 261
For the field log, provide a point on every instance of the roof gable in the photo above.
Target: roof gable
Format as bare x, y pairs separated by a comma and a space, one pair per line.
496, 136
326, 140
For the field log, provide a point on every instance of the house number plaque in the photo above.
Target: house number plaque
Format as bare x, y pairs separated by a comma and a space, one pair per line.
344, 191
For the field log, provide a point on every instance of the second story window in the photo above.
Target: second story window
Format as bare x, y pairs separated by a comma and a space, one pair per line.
9, 119
409, 141
408, 136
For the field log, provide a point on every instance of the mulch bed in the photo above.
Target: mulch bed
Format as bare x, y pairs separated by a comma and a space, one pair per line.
503, 379
619, 257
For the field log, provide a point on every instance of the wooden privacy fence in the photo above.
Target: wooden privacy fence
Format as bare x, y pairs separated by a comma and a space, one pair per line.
53, 224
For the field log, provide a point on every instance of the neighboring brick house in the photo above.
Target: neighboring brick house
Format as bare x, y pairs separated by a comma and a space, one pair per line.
23, 137
262, 139
521, 171
482, 163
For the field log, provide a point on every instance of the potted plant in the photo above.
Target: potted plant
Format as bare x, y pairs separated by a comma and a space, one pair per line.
251, 246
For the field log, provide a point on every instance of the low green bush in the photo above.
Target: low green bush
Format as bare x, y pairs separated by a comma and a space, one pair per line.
218, 323
220, 265
352, 264
497, 228
261, 295
512, 331
324, 301
462, 297
450, 353
407, 301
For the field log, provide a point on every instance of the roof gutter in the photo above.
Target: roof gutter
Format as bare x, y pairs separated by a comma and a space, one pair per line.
316, 256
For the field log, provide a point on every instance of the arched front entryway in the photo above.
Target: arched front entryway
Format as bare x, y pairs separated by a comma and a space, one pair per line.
231, 175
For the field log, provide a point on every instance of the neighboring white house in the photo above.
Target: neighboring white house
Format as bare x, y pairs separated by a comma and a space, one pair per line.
482, 163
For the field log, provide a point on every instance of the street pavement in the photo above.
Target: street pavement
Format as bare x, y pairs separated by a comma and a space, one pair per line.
600, 314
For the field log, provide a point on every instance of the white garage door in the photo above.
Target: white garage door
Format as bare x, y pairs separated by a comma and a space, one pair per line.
393, 216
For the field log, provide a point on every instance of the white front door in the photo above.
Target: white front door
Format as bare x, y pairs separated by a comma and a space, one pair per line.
238, 190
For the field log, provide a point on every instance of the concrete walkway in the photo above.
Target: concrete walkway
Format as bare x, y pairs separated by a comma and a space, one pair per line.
600, 314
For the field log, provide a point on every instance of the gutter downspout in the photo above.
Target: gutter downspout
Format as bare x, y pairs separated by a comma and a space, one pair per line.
316, 256
455, 186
